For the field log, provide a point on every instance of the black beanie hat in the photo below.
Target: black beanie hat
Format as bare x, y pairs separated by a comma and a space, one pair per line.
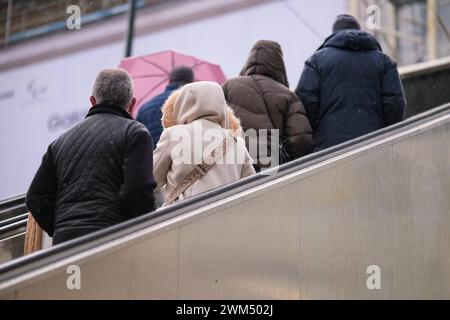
346, 21
182, 74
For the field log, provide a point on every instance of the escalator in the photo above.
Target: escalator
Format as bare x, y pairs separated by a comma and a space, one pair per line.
309, 230
427, 85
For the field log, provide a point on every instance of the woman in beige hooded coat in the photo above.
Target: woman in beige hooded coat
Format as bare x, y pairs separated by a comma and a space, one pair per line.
196, 119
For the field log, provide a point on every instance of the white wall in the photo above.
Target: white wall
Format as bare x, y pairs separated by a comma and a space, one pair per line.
35, 98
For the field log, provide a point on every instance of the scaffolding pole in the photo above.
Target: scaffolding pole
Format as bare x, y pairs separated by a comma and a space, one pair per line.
8, 22
432, 51
354, 7
392, 24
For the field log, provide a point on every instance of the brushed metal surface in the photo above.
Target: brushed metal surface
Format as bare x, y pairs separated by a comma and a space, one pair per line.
422, 205
309, 235
248, 250
346, 227
145, 270
12, 247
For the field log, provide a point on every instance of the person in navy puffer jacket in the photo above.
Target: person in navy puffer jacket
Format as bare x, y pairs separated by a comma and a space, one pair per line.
349, 87
150, 113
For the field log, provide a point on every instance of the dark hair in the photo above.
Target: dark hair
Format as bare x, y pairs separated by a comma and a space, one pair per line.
182, 74
346, 21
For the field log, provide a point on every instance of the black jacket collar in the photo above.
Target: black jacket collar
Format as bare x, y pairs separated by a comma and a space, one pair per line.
108, 108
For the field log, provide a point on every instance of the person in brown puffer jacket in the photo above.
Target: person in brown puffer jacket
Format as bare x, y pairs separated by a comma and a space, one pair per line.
263, 87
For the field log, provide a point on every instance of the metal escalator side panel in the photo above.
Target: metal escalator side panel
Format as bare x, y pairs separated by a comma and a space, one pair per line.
309, 232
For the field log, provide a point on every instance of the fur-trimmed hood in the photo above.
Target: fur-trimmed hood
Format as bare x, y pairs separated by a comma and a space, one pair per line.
188, 106
180, 149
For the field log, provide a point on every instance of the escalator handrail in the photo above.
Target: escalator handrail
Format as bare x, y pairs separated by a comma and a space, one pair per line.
10, 204
17, 227
43, 258
20, 217
11, 201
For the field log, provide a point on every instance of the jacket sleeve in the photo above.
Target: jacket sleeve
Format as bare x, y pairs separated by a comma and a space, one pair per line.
136, 192
393, 97
247, 168
308, 90
298, 130
41, 196
163, 160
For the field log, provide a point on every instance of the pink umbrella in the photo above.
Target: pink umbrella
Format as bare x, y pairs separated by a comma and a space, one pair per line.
151, 72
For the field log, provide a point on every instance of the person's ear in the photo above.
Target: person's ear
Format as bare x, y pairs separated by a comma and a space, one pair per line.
93, 101
132, 106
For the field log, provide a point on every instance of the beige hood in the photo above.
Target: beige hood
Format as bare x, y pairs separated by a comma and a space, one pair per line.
168, 121
201, 100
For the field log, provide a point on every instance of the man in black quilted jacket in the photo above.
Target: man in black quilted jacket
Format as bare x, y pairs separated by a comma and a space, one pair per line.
99, 173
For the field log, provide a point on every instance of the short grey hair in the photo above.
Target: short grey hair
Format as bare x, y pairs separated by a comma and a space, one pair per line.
113, 86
